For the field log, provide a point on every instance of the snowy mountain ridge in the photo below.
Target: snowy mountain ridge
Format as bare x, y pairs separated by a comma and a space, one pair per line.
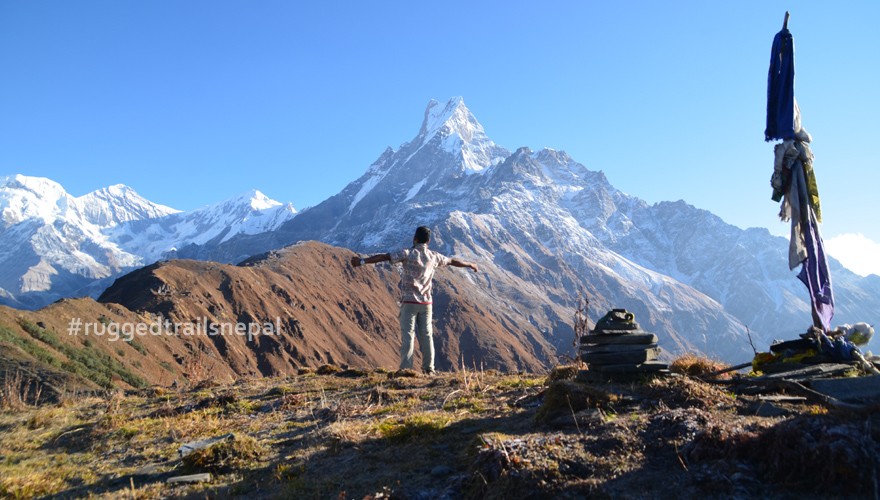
23, 198
53, 244
159, 238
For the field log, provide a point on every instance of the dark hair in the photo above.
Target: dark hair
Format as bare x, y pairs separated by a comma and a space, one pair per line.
423, 235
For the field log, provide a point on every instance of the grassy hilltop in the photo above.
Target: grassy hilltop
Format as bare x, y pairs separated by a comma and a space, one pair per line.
336, 433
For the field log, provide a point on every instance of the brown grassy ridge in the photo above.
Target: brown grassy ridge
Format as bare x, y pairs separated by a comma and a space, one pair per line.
465, 434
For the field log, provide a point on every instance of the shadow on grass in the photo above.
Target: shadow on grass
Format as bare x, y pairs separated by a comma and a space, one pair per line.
413, 459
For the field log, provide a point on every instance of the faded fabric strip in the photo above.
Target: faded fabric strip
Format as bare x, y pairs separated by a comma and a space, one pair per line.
815, 275
814, 269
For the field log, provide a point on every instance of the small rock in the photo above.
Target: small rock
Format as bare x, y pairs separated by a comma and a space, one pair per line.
768, 410
192, 478
192, 446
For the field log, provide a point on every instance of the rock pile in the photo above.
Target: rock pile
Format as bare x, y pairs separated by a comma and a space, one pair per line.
617, 348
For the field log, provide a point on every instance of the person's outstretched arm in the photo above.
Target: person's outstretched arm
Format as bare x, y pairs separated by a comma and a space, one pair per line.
462, 263
357, 260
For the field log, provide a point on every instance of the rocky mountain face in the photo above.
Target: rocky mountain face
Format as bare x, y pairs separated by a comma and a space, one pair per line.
544, 227
322, 309
55, 245
302, 306
744, 270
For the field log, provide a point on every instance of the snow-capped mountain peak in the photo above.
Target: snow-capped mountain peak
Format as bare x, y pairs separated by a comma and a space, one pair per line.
456, 130
255, 199
46, 188
450, 132
117, 204
454, 116
24, 197
249, 213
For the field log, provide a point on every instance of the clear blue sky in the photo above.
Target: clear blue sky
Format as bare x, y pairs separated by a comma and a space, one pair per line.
192, 102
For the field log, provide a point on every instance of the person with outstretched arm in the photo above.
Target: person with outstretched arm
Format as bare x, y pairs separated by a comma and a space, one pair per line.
419, 264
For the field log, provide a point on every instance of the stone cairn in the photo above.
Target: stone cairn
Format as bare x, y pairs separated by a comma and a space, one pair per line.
618, 349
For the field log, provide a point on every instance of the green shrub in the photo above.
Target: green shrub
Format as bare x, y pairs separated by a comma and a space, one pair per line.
29, 346
87, 362
136, 344
40, 334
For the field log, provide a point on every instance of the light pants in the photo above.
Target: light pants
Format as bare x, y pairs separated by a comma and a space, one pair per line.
416, 318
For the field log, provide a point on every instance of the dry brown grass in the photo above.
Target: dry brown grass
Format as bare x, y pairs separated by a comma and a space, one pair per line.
469, 434
328, 370
563, 372
472, 380
18, 392
695, 366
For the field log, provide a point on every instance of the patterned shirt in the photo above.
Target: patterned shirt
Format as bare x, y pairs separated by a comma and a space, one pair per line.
419, 264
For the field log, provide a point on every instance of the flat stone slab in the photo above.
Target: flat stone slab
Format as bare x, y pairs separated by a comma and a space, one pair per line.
616, 358
620, 338
646, 367
809, 372
782, 398
616, 347
192, 478
605, 331
850, 389
192, 446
